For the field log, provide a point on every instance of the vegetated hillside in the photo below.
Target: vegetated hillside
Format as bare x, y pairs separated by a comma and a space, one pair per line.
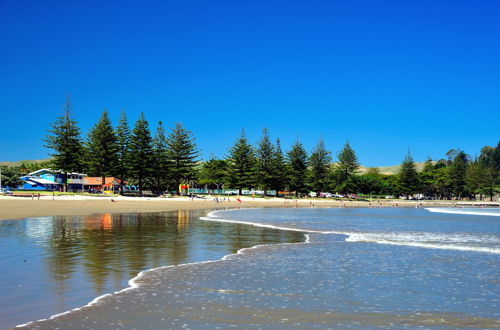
391, 170
20, 162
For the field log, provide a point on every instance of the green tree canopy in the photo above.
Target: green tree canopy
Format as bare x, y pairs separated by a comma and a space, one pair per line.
457, 174
296, 164
213, 173
161, 159
408, 177
265, 162
123, 150
65, 141
241, 161
102, 148
346, 169
278, 168
182, 154
319, 164
141, 153
10, 177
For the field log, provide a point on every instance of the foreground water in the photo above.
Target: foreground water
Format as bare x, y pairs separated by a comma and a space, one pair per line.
359, 268
53, 264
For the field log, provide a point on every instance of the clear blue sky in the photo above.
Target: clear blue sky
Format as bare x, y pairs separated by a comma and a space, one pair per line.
385, 75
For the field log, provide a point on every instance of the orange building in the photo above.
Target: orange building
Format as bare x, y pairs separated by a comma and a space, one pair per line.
94, 183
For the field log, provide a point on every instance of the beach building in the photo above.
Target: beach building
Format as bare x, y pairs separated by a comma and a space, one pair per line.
94, 184
48, 179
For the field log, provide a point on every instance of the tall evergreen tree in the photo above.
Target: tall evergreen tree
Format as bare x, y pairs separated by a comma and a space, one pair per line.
457, 174
297, 162
182, 154
279, 168
265, 162
161, 158
65, 141
496, 158
123, 152
488, 173
319, 164
102, 148
408, 177
473, 178
141, 153
346, 169
241, 161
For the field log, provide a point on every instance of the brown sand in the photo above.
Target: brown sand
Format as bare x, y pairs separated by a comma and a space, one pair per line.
25, 207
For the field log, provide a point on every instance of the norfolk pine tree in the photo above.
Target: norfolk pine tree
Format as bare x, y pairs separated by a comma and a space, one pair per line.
182, 155
265, 155
161, 158
346, 169
123, 153
296, 164
319, 164
102, 148
64, 139
457, 173
279, 168
241, 161
408, 177
141, 152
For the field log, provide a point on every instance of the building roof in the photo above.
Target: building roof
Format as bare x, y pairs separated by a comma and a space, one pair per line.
41, 181
97, 180
41, 171
48, 170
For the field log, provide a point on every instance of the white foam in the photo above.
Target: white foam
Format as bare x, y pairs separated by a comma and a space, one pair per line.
444, 241
459, 242
469, 211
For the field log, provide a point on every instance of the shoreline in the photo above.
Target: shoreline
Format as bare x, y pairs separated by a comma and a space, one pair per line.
134, 282
13, 208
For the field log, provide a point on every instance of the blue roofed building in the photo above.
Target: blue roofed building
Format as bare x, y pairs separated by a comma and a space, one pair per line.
47, 179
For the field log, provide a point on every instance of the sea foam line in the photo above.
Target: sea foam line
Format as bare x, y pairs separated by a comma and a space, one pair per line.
133, 283
358, 237
462, 211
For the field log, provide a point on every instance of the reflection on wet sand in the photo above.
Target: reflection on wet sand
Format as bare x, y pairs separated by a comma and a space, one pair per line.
81, 258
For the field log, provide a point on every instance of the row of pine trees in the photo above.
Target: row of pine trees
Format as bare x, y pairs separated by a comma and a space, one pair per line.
162, 161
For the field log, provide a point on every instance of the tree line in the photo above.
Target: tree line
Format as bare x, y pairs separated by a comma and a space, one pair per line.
162, 161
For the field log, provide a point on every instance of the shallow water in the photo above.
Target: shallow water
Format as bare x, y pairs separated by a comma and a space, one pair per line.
53, 264
360, 268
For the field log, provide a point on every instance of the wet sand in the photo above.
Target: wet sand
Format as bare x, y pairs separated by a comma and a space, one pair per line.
24, 207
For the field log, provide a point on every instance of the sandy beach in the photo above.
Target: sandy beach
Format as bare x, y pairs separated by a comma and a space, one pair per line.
25, 207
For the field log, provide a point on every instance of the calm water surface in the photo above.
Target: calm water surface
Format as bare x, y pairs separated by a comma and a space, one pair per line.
53, 264
359, 268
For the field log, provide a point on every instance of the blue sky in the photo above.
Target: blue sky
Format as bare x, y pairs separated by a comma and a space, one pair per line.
386, 75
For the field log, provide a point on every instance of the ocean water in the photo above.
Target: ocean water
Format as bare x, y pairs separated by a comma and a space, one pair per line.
50, 265
357, 268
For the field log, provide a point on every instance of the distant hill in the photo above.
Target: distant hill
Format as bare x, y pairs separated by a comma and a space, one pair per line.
29, 161
391, 170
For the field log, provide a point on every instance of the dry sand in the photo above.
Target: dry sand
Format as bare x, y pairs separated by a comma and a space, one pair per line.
25, 207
